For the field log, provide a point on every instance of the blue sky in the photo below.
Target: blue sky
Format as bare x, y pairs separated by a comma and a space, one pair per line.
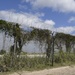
56, 15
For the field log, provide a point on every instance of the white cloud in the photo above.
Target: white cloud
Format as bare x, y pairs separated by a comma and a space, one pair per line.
26, 19
31, 20
72, 19
49, 22
59, 5
67, 29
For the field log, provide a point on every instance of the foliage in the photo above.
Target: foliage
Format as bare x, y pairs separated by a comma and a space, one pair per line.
14, 61
35, 63
2, 52
43, 36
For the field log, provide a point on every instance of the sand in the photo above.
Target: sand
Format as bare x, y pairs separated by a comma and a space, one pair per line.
68, 70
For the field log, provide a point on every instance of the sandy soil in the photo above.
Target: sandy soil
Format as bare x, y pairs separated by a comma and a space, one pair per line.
68, 70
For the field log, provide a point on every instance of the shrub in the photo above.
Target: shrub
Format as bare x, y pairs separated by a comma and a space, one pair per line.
2, 52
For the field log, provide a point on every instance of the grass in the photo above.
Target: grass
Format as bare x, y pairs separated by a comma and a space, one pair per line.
5, 73
36, 63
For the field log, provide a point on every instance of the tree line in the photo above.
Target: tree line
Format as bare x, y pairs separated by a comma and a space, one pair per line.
43, 36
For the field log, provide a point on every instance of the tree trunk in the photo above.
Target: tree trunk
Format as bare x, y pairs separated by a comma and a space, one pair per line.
14, 46
52, 50
4, 39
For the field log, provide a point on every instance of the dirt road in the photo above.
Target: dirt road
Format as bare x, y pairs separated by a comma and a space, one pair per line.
68, 70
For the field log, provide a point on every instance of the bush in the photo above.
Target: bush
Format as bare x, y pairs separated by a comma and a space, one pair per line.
7, 63
2, 52
60, 57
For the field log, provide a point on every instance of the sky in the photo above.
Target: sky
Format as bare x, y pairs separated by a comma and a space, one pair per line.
55, 15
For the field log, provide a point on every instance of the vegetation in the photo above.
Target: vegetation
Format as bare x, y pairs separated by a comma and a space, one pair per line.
13, 60
2, 52
36, 63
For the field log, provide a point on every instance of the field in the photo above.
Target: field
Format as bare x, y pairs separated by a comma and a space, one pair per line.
34, 64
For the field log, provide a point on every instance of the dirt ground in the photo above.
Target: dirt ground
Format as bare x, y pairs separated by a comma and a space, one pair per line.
68, 70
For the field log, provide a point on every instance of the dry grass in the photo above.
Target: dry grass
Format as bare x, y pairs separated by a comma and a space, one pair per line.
68, 70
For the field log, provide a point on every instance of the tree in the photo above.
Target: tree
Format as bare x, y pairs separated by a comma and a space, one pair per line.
43, 36
5, 28
2, 52
3, 25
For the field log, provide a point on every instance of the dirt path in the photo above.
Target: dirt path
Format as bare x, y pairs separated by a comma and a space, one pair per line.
69, 70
